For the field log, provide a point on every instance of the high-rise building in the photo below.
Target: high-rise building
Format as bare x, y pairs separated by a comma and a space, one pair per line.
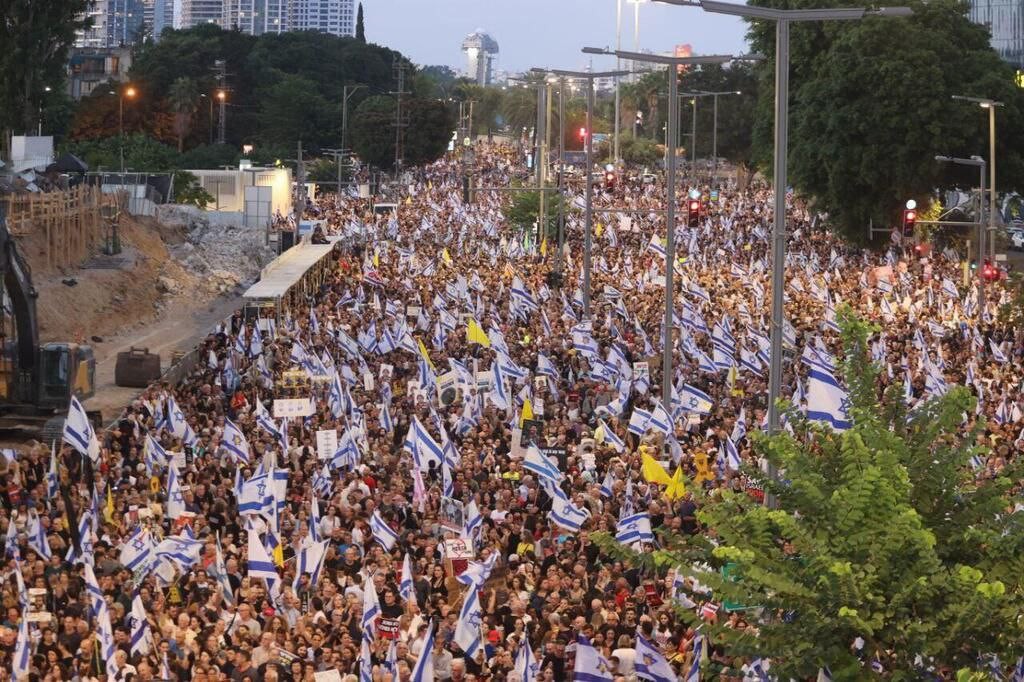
1005, 20
114, 23
156, 16
337, 17
256, 17
481, 53
189, 13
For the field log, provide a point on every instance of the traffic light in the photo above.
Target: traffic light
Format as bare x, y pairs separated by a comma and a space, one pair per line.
609, 177
909, 219
583, 134
989, 271
692, 212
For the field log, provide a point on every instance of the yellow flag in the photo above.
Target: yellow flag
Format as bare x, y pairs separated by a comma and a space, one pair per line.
598, 229
599, 433
446, 257
676, 487
279, 555
426, 356
408, 200
108, 508
544, 247
654, 472
527, 412
376, 259
476, 334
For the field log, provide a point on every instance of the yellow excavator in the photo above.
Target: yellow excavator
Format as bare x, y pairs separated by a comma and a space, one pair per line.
36, 382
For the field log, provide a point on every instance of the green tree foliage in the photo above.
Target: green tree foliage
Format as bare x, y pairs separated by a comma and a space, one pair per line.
294, 106
870, 108
640, 151
34, 41
882, 532
141, 153
431, 124
360, 27
187, 190
183, 98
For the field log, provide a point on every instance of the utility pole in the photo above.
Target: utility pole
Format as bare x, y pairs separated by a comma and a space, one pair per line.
300, 187
561, 171
221, 67
542, 136
346, 92
399, 123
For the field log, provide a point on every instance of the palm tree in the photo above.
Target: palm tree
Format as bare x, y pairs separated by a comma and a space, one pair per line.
183, 97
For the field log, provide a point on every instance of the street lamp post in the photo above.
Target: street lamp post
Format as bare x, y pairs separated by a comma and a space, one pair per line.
588, 229
714, 128
783, 19
39, 132
618, 67
991, 105
673, 64
128, 92
221, 124
346, 92
693, 129
979, 163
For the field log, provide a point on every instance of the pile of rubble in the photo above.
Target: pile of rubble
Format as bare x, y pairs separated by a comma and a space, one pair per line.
215, 258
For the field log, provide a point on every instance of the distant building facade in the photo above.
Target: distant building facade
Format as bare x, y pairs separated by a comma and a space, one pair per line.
191, 13
1005, 20
113, 23
89, 67
337, 17
481, 53
156, 16
257, 17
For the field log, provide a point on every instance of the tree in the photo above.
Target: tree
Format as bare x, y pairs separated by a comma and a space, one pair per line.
35, 37
881, 532
870, 108
292, 109
183, 97
360, 28
431, 124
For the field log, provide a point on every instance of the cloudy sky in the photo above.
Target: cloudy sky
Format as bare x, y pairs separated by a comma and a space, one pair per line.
546, 33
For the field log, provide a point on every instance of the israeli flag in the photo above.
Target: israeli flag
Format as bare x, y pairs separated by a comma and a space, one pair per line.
405, 586
84, 541
590, 665
423, 448
255, 495
693, 674
382, 532
136, 550
141, 636
827, 401
260, 563
78, 431
220, 573
22, 659
732, 455
694, 400
997, 353
321, 483
527, 668
639, 421
537, 463
53, 476
175, 498
371, 611
474, 519
180, 550
235, 443
37, 540
650, 664
567, 515
477, 572
423, 671
467, 630
634, 528
610, 438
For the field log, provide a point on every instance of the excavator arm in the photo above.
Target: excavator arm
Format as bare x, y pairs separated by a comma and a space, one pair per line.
17, 281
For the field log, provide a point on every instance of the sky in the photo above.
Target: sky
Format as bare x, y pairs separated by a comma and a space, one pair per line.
542, 33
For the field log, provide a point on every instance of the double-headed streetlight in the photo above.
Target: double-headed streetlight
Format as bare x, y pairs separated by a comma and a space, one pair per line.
991, 105
783, 18
714, 126
977, 162
588, 236
673, 64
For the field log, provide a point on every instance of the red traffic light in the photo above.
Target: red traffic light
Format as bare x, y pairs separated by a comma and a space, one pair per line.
911, 216
694, 206
909, 219
583, 133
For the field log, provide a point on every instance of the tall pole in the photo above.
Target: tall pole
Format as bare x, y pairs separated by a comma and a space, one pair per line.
618, 66
636, 37
589, 216
779, 226
670, 238
981, 245
543, 117
561, 171
120, 129
693, 142
992, 179
714, 141
344, 117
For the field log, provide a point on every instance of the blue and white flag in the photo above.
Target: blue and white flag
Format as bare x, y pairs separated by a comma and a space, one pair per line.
141, 642
467, 630
382, 532
21, 662
53, 476
537, 463
221, 575
694, 400
235, 443
590, 665
527, 668
422, 446
567, 515
693, 674
177, 423
371, 611
477, 572
37, 540
732, 455
260, 563
634, 528
651, 664
423, 671
137, 549
406, 587
78, 431
827, 401
175, 498
84, 542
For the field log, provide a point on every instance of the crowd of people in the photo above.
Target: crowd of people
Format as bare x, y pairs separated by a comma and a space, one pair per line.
397, 476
